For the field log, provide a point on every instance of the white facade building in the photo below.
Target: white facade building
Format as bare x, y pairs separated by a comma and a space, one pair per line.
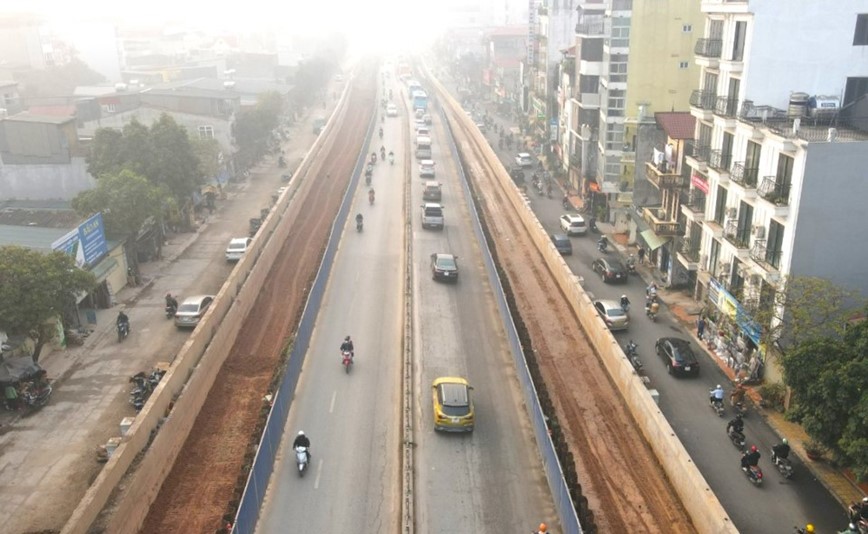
778, 161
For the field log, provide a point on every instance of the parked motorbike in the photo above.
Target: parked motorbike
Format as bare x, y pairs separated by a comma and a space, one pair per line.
716, 405
784, 466
123, 331
630, 351
36, 395
347, 360
737, 438
143, 385
301, 459
381, 133
373, 157
753, 473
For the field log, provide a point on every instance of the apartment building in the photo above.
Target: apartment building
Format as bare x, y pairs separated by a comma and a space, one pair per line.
777, 165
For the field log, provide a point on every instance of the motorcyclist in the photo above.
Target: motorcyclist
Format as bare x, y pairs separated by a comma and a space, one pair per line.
381, 132
371, 195
123, 320
859, 511
809, 529
737, 395
347, 346
625, 302
781, 450
716, 395
543, 529
603, 243
301, 440
651, 305
171, 302
359, 220
651, 290
735, 425
750, 459
382, 152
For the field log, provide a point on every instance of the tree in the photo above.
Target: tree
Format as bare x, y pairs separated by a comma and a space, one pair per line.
36, 288
208, 154
253, 129
57, 81
126, 201
828, 377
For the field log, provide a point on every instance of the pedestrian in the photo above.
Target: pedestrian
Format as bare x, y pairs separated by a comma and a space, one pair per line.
641, 254
700, 326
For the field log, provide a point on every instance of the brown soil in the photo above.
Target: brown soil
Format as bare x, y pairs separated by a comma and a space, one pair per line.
626, 488
198, 490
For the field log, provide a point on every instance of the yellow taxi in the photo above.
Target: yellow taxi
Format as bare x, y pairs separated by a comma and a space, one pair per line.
453, 409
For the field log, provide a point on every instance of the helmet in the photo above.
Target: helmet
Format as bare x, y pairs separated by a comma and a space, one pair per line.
738, 416
809, 528
347, 338
865, 500
543, 527
753, 448
301, 432
784, 441
623, 296
718, 387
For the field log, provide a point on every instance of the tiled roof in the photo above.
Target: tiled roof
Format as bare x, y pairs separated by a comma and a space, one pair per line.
677, 124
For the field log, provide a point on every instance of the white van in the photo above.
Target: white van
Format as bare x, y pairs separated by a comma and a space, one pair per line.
432, 215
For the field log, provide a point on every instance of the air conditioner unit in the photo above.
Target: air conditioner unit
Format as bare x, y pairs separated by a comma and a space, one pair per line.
731, 213
759, 231
755, 279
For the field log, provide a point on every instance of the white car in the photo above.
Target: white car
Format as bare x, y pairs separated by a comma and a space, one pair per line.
524, 160
573, 224
426, 168
237, 247
392, 110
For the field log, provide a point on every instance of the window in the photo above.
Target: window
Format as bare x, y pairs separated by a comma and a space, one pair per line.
687, 28
855, 89
860, 36
683, 64
206, 132
738, 41
774, 244
720, 205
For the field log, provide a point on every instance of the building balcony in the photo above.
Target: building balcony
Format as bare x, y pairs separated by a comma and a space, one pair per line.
709, 48
737, 236
776, 191
719, 161
591, 29
589, 100
768, 260
694, 208
663, 227
663, 177
744, 180
727, 107
696, 154
703, 100
689, 254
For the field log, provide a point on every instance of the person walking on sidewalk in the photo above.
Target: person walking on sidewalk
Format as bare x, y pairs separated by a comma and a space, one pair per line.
641, 254
700, 327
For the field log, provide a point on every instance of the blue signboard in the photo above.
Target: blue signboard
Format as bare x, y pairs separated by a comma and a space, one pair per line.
86, 243
731, 307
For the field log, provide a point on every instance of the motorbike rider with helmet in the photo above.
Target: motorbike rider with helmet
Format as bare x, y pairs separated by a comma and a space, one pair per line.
347, 346
123, 320
301, 440
750, 459
171, 302
859, 511
716, 395
625, 303
359, 220
781, 450
371, 195
737, 395
736, 425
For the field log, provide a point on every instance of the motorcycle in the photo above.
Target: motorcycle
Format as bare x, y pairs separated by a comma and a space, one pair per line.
716, 404
738, 407
347, 360
383, 154
785, 468
281, 162
603, 246
123, 331
35, 396
854, 512
359, 225
371, 197
651, 311
631, 265
540, 189
381, 133
565, 202
391, 159
301, 459
373, 158
753, 473
736, 437
630, 351
171, 310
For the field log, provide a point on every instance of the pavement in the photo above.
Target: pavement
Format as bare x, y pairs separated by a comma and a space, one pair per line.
840, 483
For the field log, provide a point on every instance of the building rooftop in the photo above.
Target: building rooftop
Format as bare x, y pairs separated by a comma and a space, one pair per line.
45, 119
242, 85
35, 237
182, 90
676, 124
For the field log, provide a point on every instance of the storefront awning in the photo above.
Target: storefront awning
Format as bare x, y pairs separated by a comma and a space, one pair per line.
653, 240
102, 269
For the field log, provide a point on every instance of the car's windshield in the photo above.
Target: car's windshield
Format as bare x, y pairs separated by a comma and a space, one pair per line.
188, 308
445, 262
615, 312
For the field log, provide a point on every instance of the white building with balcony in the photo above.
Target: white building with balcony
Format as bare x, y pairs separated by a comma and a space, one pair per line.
777, 166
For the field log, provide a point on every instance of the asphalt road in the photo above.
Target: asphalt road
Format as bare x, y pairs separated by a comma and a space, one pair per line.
778, 504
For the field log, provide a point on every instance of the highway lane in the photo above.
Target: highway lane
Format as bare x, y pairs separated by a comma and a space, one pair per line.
779, 503
352, 420
492, 479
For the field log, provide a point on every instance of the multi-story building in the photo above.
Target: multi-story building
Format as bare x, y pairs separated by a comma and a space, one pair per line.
777, 168
507, 46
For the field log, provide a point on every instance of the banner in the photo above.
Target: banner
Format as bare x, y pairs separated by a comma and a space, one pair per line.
86, 243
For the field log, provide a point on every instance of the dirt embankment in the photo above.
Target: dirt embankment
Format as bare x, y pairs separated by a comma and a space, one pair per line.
203, 482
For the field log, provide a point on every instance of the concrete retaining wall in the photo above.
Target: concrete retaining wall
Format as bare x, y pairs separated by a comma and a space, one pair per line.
193, 372
703, 506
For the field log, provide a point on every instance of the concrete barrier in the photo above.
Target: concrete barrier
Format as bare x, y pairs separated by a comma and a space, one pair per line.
701, 503
193, 372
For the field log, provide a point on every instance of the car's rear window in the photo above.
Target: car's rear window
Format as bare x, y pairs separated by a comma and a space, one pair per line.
454, 399
446, 262
615, 312
237, 246
433, 212
188, 308
577, 224
683, 354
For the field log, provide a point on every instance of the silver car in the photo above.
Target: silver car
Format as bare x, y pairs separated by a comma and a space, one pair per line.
191, 311
612, 314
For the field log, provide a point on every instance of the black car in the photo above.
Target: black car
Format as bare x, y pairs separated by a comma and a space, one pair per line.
517, 175
610, 270
444, 267
678, 356
562, 243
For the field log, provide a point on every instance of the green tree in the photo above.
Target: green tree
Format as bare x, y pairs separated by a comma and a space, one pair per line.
126, 200
208, 154
253, 129
828, 377
36, 288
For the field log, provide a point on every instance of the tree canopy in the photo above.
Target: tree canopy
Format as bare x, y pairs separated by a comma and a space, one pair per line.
253, 129
829, 380
126, 200
162, 153
35, 287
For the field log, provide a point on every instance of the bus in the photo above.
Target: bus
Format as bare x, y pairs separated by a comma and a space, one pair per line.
420, 100
423, 147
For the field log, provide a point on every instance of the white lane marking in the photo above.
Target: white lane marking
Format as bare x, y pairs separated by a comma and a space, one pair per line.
318, 474
332, 403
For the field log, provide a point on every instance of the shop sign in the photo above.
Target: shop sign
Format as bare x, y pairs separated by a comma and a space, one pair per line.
730, 307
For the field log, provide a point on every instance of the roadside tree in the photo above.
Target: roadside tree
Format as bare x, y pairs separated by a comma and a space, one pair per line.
253, 129
36, 288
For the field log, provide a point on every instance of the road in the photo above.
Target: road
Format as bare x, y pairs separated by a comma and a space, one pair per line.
490, 480
779, 503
